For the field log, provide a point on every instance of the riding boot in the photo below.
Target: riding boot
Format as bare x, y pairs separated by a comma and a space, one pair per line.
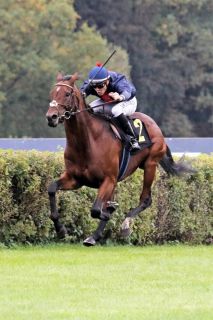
127, 128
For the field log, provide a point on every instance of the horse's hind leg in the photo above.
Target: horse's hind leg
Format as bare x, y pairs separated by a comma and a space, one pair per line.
64, 183
145, 198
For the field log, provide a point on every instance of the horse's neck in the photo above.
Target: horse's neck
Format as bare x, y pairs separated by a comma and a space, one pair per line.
82, 130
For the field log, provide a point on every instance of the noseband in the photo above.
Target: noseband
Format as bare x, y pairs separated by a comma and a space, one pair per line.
71, 107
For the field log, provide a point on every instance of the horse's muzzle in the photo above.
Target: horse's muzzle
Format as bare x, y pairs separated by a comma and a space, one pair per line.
52, 120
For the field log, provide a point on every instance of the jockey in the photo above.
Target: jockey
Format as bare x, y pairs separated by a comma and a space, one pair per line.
109, 86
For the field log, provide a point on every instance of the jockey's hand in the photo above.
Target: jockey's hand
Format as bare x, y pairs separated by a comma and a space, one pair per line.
116, 96
84, 95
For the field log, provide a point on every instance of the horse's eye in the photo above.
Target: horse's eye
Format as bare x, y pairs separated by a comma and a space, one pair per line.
67, 94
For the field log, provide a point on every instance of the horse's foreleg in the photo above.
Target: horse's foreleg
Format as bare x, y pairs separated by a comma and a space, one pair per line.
103, 206
91, 241
145, 198
54, 216
102, 209
105, 216
64, 183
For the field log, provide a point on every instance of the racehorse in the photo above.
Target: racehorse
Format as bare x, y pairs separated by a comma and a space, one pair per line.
93, 155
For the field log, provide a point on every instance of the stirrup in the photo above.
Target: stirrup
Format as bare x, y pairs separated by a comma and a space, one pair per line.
135, 145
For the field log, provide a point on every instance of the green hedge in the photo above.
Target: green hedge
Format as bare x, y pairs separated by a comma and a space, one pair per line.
182, 209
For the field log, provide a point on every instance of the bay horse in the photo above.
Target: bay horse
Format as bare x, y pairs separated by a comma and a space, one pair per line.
93, 153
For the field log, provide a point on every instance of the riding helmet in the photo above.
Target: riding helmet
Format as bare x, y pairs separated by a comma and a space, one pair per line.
98, 74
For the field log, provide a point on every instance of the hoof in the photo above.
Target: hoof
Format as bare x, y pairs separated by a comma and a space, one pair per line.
89, 242
105, 215
126, 227
95, 214
62, 232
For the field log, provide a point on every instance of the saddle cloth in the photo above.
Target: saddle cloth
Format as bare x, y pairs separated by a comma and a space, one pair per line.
142, 137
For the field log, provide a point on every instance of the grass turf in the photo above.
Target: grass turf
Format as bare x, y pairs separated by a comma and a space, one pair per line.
78, 283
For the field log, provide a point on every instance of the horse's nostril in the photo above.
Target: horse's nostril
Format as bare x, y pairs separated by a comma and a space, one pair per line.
54, 117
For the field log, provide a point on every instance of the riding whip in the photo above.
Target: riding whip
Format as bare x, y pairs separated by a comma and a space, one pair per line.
102, 66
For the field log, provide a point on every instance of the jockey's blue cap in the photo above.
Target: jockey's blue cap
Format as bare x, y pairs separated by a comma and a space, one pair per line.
98, 74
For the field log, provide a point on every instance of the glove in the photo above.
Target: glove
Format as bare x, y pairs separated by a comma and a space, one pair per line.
83, 94
116, 96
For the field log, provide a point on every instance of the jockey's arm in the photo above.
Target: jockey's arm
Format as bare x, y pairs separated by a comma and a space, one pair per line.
124, 89
86, 88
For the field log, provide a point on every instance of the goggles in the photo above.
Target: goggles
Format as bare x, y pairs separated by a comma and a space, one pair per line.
99, 85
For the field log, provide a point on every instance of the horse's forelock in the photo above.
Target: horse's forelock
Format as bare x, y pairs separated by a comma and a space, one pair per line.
67, 77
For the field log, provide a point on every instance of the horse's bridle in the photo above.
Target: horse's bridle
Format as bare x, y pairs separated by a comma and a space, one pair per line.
70, 109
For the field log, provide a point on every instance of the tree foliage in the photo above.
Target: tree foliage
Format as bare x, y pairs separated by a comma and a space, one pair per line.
169, 46
38, 39
170, 50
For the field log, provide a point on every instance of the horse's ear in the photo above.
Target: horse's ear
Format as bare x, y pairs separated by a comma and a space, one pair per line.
59, 77
75, 77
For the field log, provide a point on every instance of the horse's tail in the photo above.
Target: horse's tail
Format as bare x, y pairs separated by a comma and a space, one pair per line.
174, 168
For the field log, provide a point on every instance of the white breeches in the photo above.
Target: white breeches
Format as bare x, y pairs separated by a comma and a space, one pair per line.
125, 107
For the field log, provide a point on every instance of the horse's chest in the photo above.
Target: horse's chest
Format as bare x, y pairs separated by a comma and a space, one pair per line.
88, 177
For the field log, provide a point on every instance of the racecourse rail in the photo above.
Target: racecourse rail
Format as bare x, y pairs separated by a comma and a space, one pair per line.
189, 146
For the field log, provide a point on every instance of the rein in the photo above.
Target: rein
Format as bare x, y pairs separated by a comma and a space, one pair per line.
99, 105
